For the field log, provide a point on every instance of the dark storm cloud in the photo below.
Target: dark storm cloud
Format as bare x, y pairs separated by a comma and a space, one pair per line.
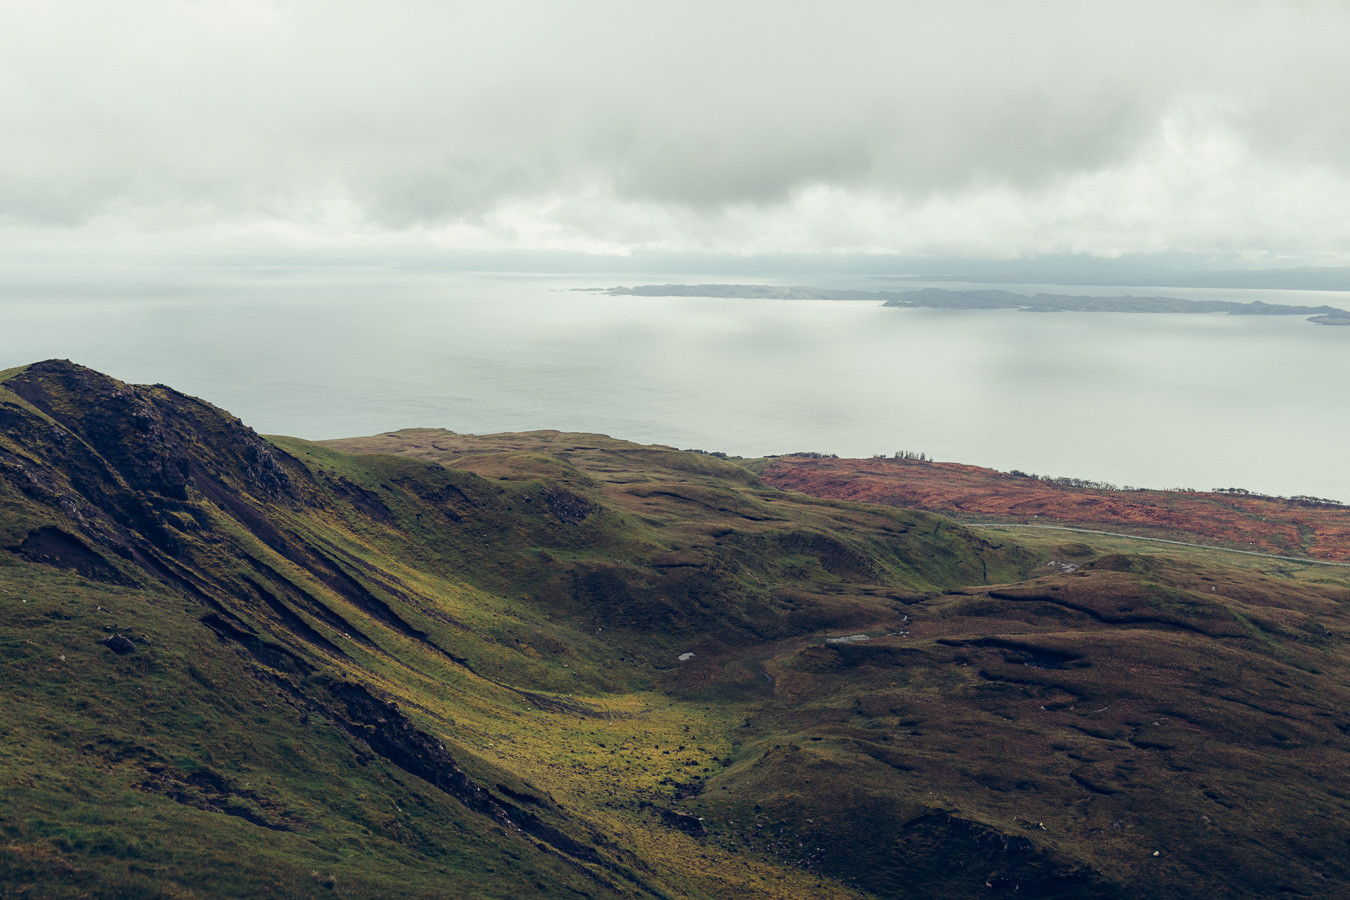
603, 115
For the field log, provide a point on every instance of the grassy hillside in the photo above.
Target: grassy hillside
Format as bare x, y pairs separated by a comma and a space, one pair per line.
433, 665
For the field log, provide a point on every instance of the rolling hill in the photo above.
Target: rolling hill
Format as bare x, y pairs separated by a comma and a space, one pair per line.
424, 664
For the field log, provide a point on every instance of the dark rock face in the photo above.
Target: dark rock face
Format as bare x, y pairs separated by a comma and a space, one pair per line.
128, 466
55, 547
567, 507
391, 734
118, 644
158, 440
691, 825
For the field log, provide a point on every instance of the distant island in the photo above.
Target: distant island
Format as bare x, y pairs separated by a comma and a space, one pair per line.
938, 298
1301, 278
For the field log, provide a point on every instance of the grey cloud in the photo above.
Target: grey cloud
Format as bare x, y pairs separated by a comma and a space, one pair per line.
426, 112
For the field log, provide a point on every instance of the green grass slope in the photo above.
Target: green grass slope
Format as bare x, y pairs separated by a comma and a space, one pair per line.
434, 665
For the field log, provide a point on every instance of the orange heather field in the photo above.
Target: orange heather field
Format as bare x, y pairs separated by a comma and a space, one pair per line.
1287, 526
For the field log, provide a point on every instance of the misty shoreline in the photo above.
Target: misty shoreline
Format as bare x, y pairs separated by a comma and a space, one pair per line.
940, 298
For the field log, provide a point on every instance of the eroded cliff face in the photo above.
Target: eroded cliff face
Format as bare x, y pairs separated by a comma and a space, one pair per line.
128, 467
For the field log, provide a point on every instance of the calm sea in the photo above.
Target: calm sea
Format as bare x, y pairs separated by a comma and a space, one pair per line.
1143, 400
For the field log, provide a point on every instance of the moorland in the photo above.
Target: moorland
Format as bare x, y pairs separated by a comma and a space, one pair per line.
425, 664
1300, 526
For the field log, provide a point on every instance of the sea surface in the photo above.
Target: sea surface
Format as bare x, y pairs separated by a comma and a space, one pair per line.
1260, 402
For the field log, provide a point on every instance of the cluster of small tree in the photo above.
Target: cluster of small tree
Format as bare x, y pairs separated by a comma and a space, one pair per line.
1083, 484
717, 453
911, 455
1079, 483
1315, 501
812, 455
1297, 498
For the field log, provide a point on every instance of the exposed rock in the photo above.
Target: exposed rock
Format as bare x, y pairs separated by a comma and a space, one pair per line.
691, 825
118, 644
54, 547
567, 507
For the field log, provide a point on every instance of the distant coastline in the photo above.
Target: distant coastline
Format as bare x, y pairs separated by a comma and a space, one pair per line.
939, 298
1302, 278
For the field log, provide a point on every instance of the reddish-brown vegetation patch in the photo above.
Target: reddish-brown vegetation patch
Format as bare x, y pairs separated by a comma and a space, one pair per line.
1242, 521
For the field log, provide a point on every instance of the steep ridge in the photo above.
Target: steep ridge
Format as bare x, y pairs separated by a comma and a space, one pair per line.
162, 498
429, 664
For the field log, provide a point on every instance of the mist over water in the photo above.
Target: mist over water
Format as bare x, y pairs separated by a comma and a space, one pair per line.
1144, 400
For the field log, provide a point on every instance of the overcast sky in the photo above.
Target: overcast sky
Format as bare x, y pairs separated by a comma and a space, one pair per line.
954, 129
